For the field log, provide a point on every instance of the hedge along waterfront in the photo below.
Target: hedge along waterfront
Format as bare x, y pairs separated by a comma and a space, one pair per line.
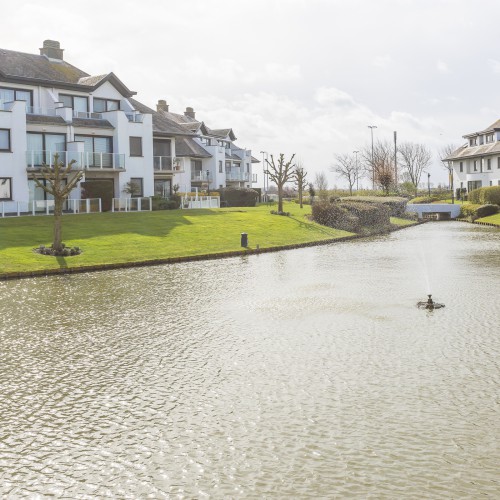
119, 239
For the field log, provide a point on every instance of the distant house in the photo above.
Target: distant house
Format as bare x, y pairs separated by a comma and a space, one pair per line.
211, 157
477, 163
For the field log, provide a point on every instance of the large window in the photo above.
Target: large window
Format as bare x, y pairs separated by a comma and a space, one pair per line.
161, 148
42, 147
102, 105
5, 188
137, 183
462, 166
78, 103
220, 167
488, 163
99, 150
4, 139
162, 187
135, 146
9, 95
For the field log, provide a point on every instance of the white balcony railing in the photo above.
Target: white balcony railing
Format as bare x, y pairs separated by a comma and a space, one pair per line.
200, 202
86, 115
105, 161
46, 207
199, 176
236, 176
32, 110
166, 164
135, 117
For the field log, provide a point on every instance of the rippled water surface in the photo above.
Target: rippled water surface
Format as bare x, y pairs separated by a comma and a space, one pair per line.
307, 374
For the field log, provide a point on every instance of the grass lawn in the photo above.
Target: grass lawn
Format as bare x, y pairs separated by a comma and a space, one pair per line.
492, 219
402, 222
111, 238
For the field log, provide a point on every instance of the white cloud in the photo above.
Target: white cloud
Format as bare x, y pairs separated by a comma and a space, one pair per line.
442, 67
494, 65
382, 61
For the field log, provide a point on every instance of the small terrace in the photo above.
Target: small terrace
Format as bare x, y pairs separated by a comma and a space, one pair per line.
85, 161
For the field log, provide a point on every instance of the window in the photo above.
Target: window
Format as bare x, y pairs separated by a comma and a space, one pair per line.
498, 162
248, 167
489, 138
488, 163
475, 165
9, 95
42, 147
220, 167
206, 141
161, 148
462, 165
99, 150
135, 146
4, 139
196, 165
5, 188
162, 187
137, 183
78, 103
491, 183
101, 105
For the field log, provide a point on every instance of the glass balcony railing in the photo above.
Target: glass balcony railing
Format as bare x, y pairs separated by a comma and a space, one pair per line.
166, 164
135, 117
237, 176
32, 110
105, 161
86, 115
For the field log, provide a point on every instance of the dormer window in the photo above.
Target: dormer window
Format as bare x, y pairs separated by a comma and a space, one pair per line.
75, 102
473, 141
102, 105
489, 138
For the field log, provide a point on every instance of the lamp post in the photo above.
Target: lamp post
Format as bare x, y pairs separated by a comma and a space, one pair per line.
371, 127
264, 153
208, 183
429, 184
357, 171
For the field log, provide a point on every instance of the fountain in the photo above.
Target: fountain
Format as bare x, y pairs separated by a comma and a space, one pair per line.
429, 304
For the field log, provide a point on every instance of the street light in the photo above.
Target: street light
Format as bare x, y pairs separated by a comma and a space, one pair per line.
357, 171
264, 174
371, 127
429, 184
208, 183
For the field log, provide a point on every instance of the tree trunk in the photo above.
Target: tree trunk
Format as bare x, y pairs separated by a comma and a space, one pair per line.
300, 198
57, 243
280, 198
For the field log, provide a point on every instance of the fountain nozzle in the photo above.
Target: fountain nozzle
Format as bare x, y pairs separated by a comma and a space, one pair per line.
429, 303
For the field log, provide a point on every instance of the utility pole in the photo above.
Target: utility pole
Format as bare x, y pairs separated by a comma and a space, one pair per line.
264, 169
396, 160
371, 127
357, 170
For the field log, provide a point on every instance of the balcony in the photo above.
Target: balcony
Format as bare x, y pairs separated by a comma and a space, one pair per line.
135, 117
83, 161
237, 176
32, 110
166, 165
86, 115
198, 176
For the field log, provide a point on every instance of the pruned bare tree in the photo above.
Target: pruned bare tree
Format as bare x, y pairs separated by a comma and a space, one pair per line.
59, 183
415, 158
321, 183
444, 153
280, 173
300, 175
380, 165
347, 166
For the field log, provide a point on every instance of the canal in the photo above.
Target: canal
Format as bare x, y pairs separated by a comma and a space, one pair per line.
307, 373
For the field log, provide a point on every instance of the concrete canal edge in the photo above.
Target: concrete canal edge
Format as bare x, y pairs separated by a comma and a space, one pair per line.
191, 258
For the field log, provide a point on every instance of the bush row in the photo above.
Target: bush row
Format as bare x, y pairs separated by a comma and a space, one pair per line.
474, 211
241, 197
485, 195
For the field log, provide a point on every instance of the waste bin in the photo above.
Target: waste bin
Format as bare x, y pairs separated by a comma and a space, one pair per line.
244, 240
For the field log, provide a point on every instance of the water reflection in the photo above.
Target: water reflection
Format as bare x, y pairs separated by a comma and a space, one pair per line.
307, 373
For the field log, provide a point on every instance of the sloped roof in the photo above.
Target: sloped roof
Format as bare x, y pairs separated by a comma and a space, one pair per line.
223, 133
466, 151
91, 123
40, 70
494, 126
45, 120
185, 146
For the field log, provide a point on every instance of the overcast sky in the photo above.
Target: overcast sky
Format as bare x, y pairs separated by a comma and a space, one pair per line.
291, 76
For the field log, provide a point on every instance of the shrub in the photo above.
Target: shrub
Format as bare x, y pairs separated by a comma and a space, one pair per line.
425, 199
485, 210
469, 211
485, 196
396, 204
159, 203
369, 214
239, 197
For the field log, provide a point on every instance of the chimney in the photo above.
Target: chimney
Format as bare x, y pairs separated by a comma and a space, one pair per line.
52, 50
162, 105
189, 113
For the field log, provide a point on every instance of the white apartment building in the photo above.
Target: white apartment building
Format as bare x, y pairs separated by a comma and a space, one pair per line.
48, 106
477, 163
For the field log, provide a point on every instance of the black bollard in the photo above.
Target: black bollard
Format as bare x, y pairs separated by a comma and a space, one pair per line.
244, 240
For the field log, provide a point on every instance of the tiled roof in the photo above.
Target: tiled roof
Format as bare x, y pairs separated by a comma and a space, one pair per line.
494, 126
464, 152
91, 123
185, 146
91, 81
46, 120
31, 66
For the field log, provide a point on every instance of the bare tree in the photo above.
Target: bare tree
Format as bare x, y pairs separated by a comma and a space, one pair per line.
59, 185
380, 165
347, 166
444, 154
415, 158
321, 184
300, 175
280, 173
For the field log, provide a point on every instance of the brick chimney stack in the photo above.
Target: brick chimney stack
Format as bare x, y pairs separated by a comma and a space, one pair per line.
162, 105
190, 113
52, 49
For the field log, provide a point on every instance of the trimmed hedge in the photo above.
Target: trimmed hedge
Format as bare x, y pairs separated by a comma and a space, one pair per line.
172, 203
485, 196
425, 199
351, 216
396, 204
239, 197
